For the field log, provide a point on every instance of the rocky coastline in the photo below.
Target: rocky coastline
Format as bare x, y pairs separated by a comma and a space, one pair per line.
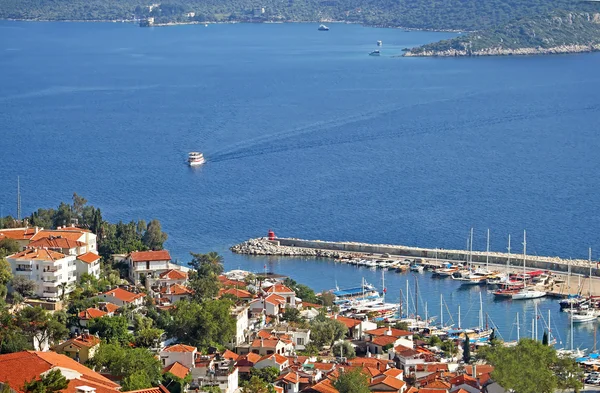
557, 50
262, 246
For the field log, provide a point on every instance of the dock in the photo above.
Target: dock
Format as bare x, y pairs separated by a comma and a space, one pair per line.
574, 273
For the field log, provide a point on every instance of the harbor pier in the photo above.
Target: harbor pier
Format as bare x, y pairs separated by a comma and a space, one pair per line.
577, 269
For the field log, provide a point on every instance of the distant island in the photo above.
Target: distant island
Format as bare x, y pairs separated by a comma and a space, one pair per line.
556, 33
448, 15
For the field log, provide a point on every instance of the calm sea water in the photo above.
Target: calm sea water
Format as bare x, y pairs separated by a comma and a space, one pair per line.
307, 134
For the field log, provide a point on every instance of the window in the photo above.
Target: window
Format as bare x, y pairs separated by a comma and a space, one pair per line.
147, 265
300, 341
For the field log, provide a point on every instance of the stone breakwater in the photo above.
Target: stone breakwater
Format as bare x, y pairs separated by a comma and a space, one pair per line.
563, 49
263, 246
327, 249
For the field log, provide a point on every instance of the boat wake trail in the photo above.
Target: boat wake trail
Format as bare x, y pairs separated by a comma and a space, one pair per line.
315, 136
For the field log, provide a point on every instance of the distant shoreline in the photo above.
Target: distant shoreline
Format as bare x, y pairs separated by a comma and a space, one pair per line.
137, 21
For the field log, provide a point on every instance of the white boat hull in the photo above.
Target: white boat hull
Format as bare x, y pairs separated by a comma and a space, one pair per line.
528, 295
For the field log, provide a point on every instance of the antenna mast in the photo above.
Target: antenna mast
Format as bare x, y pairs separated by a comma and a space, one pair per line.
18, 198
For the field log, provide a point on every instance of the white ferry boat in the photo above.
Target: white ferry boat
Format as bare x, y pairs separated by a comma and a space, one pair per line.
195, 158
323, 28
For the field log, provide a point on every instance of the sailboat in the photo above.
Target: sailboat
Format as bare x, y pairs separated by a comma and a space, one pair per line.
526, 293
574, 353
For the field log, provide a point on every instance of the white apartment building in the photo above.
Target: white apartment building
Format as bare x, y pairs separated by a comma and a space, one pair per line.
146, 263
48, 269
74, 234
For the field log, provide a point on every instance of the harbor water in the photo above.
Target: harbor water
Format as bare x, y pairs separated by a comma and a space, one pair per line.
307, 134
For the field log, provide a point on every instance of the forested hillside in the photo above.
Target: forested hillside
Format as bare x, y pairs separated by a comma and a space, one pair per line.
426, 14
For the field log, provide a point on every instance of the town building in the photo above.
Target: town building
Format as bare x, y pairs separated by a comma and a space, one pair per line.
21, 235
143, 264
73, 234
81, 348
53, 272
121, 297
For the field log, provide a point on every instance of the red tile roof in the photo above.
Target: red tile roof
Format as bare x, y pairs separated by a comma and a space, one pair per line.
177, 369
439, 384
262, 343
17, 368
176, 289
110, 307
239, 293
382, 341
275, 299
480, 369
180, 348
17, 233
310, 305
325, 386
81, 341
123, 295
91, 313
428, 390
89, 257
279, 288
389, 332
158, 389
226, 282
72, 234
173, 274
230, 355
464, 378
277, 358
55, 242
38, 254
393, 372
349, 322
392, 382
291, 377
143, 256
253, 357
369, 362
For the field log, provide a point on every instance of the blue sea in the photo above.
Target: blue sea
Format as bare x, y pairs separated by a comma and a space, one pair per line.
308, 135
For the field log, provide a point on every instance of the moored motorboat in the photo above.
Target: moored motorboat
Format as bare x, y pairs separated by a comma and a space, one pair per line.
323, 28
195, 158
375, 53
581, 316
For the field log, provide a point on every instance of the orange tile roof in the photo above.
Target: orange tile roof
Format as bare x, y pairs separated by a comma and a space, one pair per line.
176, 289
464, 378
310, 305
275, 357
439, 384
275, 299
38, 254
349, 322
279, 288
389, 332
17, 233
91, 313
291, 377
384, 340
173, 274
110, 307
55, 242
265, 334
74, 228
157, 389
17, 368
230, 355
177, 369
323, 366
369, 362
393, 372
239, 293
392, 382
325, 386
253, 357
89, 257
226, 282
123, 295
461, 390
278, 389
480, 369
72, 234
81, 341
262, 343
372, 371
180, 348
143, 256
428, 390
412, 389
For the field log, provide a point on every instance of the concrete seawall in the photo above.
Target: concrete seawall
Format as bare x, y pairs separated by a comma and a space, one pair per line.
302, 247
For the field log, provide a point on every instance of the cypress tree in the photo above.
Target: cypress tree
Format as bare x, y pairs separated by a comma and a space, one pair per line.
545, 339
466, 349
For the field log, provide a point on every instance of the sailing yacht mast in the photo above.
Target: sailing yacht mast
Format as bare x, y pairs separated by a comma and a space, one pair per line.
480, 313
383, 285
508, 260
590, 278
471, 251
459, 316
524, 256
536, 322
487, 254
441, 310
518, 329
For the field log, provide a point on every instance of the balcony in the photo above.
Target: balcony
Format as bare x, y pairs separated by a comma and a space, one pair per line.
24, 269
50, 294
51, 283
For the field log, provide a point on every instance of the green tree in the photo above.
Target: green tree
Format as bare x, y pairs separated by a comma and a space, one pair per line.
148, 337
138, 367
327, 332
326, 299
52, 382
449, 347
291, 315
202, 324
24, 286
528, 367
5, 277
401, 326
568, 373
38, 325
154, 237
111, 329
257, 385
344, 349
354, 381
435, 341
8, 246
267, 374
203, 280
467, 349
78, 204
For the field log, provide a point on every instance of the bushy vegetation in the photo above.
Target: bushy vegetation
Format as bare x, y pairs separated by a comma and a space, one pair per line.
428, 14
556, 29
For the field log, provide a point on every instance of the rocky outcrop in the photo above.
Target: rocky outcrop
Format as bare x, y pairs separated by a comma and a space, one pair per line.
563, 49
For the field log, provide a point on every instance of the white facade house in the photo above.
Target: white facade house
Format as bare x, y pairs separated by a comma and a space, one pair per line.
73, 234
88, 263
300, 337
184, 354
121, 297
146, 263
240, 313
50, 270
